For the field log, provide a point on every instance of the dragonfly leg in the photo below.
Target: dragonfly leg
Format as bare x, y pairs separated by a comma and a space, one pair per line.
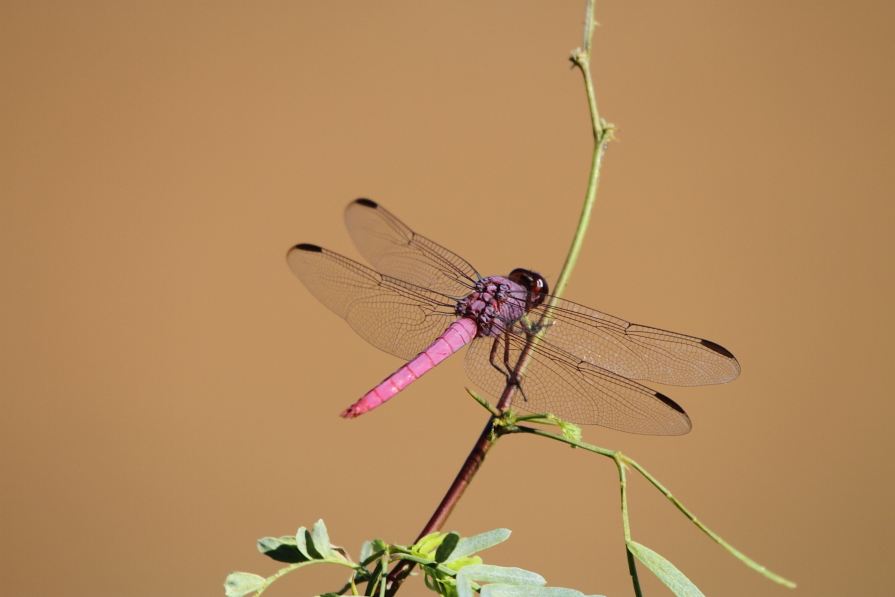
506, 369
492, 359
511, 378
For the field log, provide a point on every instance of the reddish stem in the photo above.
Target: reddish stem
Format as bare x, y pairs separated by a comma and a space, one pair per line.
440, 516
461, 481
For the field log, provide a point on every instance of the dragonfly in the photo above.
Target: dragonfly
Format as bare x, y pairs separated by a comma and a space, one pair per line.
422, 303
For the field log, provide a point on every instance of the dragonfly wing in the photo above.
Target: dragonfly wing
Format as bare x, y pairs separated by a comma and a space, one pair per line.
574, 390
637, 351
392, 315
396, 250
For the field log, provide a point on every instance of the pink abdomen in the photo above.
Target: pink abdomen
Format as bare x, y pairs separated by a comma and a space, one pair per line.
458, 334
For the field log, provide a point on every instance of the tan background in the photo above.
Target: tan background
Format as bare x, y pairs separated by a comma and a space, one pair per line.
170, 390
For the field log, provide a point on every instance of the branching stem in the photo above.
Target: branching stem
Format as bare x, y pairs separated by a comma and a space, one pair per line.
269, 580
621, 460
602, 133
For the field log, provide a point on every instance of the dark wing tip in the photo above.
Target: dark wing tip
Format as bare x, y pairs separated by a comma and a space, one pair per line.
366, 203
307, 247
717, 348
669, 402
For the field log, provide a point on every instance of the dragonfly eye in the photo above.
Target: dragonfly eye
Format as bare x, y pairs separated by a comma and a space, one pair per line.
533, 282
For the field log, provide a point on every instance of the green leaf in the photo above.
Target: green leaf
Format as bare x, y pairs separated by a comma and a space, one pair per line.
427, 543
517, 591
301, 542
321, 539
665, 570
305, 544
431, 584
464, 587
417, 559
466, 561
569, 431
372, 558
339, 553
283, 549
239, 584
470, 545
447, 546
500, 574
366, 550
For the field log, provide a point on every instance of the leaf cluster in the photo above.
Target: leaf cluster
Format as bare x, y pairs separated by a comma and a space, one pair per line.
448, 562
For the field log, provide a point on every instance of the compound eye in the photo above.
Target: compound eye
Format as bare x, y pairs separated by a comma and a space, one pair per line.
539, 289
533, 282
520, 276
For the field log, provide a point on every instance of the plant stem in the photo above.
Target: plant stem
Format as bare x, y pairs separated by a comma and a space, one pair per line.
270, 579
602, 134
632, 568
621, 460
382, 579
730, 548
461, 482
470, 467
626, 526
473, 462
623, 482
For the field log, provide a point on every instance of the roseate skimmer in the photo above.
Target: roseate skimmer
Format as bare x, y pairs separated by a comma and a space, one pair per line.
422, 303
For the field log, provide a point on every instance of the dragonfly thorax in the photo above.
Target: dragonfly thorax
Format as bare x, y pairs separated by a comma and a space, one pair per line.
494, 304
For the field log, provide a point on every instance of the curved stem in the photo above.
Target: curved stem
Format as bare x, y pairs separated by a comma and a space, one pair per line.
270, 579
626, 526
486, 440
454, 493
632, 568
621, 460
602, 134
584, 220
402, 570
382, 579
730, 548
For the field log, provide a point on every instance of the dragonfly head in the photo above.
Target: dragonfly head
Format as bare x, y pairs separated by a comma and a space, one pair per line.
533, 282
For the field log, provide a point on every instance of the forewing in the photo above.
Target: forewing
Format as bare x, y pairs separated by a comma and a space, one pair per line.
574, 390
637, 351
392, 315
396, 250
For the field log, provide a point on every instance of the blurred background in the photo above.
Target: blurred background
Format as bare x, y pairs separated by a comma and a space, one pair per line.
170, 391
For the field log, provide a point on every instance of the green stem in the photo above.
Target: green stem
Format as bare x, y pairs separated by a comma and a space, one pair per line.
624, 491
602, 134
632, 568
563, 280
484, 403
383, 576
589, 25
622, 459
626, 526
269, 580
730, 548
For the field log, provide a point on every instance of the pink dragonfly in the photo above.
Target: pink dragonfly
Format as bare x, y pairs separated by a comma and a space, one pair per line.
422, 303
